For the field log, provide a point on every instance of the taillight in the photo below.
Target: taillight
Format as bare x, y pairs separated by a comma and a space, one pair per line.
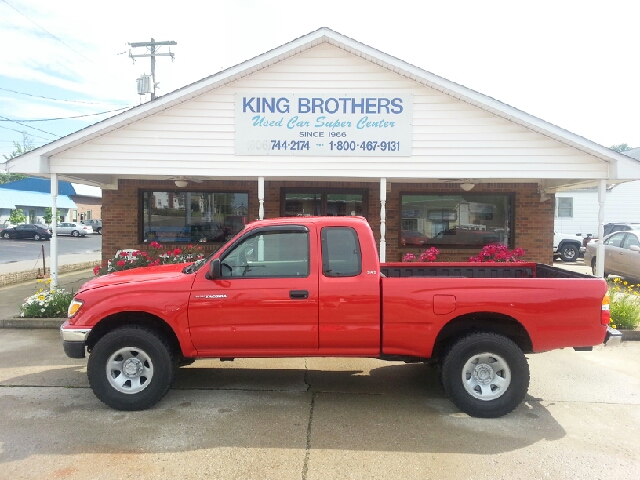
606, 314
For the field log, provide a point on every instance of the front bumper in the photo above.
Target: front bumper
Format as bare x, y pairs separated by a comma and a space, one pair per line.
613, 337
74, 340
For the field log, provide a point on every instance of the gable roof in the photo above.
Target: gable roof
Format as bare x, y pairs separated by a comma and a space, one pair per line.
622, 167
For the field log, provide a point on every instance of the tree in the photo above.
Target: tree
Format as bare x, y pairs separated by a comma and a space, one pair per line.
20, 149
17, 216
623, 147
47, 217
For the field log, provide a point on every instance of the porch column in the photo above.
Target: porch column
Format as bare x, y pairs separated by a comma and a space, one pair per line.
53, 248
383, 220
602, 192
261, 198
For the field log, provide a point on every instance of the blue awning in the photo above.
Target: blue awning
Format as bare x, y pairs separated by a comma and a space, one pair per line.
16, 198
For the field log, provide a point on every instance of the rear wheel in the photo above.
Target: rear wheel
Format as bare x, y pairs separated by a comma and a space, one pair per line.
569, 252
131, 368
75, 233
485, 375
36, 236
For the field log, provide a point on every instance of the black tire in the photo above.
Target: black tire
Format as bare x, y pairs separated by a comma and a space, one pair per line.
593, 268
75, 233
36, 237
99, 231
6, 235
569, 252
485, 360
150, 361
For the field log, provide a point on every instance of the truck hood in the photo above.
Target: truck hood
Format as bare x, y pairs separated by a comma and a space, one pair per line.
136, 275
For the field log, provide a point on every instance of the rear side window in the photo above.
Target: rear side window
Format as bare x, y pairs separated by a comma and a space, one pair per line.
341, 255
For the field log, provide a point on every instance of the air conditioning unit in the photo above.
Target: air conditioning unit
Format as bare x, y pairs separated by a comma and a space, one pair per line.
145, 84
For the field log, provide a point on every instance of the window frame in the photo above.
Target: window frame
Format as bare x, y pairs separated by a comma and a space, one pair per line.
326, 272
270, 230
324, 191
510, 217
141, 207
564, 208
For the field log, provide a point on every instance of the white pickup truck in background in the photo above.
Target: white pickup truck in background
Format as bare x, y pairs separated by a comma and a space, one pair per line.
567, 247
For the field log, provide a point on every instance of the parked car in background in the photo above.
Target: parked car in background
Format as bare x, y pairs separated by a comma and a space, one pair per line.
94, 223
567, 247
609, 228
413, 237
621, 255
75, 229
27, 230
6, 225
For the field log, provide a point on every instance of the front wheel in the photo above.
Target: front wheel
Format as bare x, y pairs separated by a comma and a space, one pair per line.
569, 252
485, 375
131, 368
6, 235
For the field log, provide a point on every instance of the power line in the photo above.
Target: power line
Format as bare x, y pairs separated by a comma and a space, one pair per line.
4, 119
47, 31
50, 98
36, 136
28, 126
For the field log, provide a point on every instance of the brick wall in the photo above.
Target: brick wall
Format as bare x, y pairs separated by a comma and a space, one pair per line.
533, 219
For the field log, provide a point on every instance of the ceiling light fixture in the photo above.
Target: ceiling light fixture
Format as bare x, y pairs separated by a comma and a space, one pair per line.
467, 186
181, 183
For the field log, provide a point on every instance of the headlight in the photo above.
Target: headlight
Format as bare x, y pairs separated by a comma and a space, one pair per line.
74, 306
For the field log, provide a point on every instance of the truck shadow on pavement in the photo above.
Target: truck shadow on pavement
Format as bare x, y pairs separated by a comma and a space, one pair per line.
394, 407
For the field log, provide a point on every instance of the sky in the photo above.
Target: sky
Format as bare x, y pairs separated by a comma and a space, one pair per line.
571, 63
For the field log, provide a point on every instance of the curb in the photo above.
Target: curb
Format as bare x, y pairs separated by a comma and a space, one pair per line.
13, 278
630, 335
32, 323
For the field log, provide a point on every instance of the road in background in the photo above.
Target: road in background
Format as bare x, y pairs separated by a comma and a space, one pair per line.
20, 250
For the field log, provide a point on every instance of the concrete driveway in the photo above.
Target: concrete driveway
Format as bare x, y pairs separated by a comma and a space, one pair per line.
316, 419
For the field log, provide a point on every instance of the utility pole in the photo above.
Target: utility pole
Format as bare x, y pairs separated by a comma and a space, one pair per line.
152, 47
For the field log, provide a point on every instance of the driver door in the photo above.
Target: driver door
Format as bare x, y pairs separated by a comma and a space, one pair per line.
266, 302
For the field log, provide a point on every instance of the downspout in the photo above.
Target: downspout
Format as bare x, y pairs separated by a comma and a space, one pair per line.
53, 250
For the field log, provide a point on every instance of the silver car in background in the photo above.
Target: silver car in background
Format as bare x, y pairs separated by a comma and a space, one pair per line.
75, 229
621, 255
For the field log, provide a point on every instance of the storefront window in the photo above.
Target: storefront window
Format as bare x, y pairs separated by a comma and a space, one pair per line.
323, 202
465, 220
192, 217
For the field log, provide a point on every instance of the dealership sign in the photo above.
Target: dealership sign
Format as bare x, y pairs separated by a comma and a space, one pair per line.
323, 124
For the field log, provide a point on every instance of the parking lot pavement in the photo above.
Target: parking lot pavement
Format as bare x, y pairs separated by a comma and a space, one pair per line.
316, 418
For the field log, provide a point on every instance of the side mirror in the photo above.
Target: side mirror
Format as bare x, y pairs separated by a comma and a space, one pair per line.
214, 269
634, 248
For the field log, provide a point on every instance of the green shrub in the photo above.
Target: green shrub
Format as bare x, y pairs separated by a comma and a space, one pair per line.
624, 304
46, 303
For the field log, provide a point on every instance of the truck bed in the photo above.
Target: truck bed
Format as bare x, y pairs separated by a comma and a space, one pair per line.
476, 270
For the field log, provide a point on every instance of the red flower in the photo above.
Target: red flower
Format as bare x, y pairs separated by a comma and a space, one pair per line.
96, 269
177, 251
121, 263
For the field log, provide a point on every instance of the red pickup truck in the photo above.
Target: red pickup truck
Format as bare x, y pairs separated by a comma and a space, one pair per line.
301, 287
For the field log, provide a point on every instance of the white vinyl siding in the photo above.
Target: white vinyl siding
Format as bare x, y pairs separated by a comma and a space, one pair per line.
450, 137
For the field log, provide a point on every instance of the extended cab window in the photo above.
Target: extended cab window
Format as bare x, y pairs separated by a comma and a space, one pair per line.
272, 253
341, 256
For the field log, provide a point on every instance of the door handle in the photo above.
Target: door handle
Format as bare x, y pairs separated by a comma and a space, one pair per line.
298, 294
